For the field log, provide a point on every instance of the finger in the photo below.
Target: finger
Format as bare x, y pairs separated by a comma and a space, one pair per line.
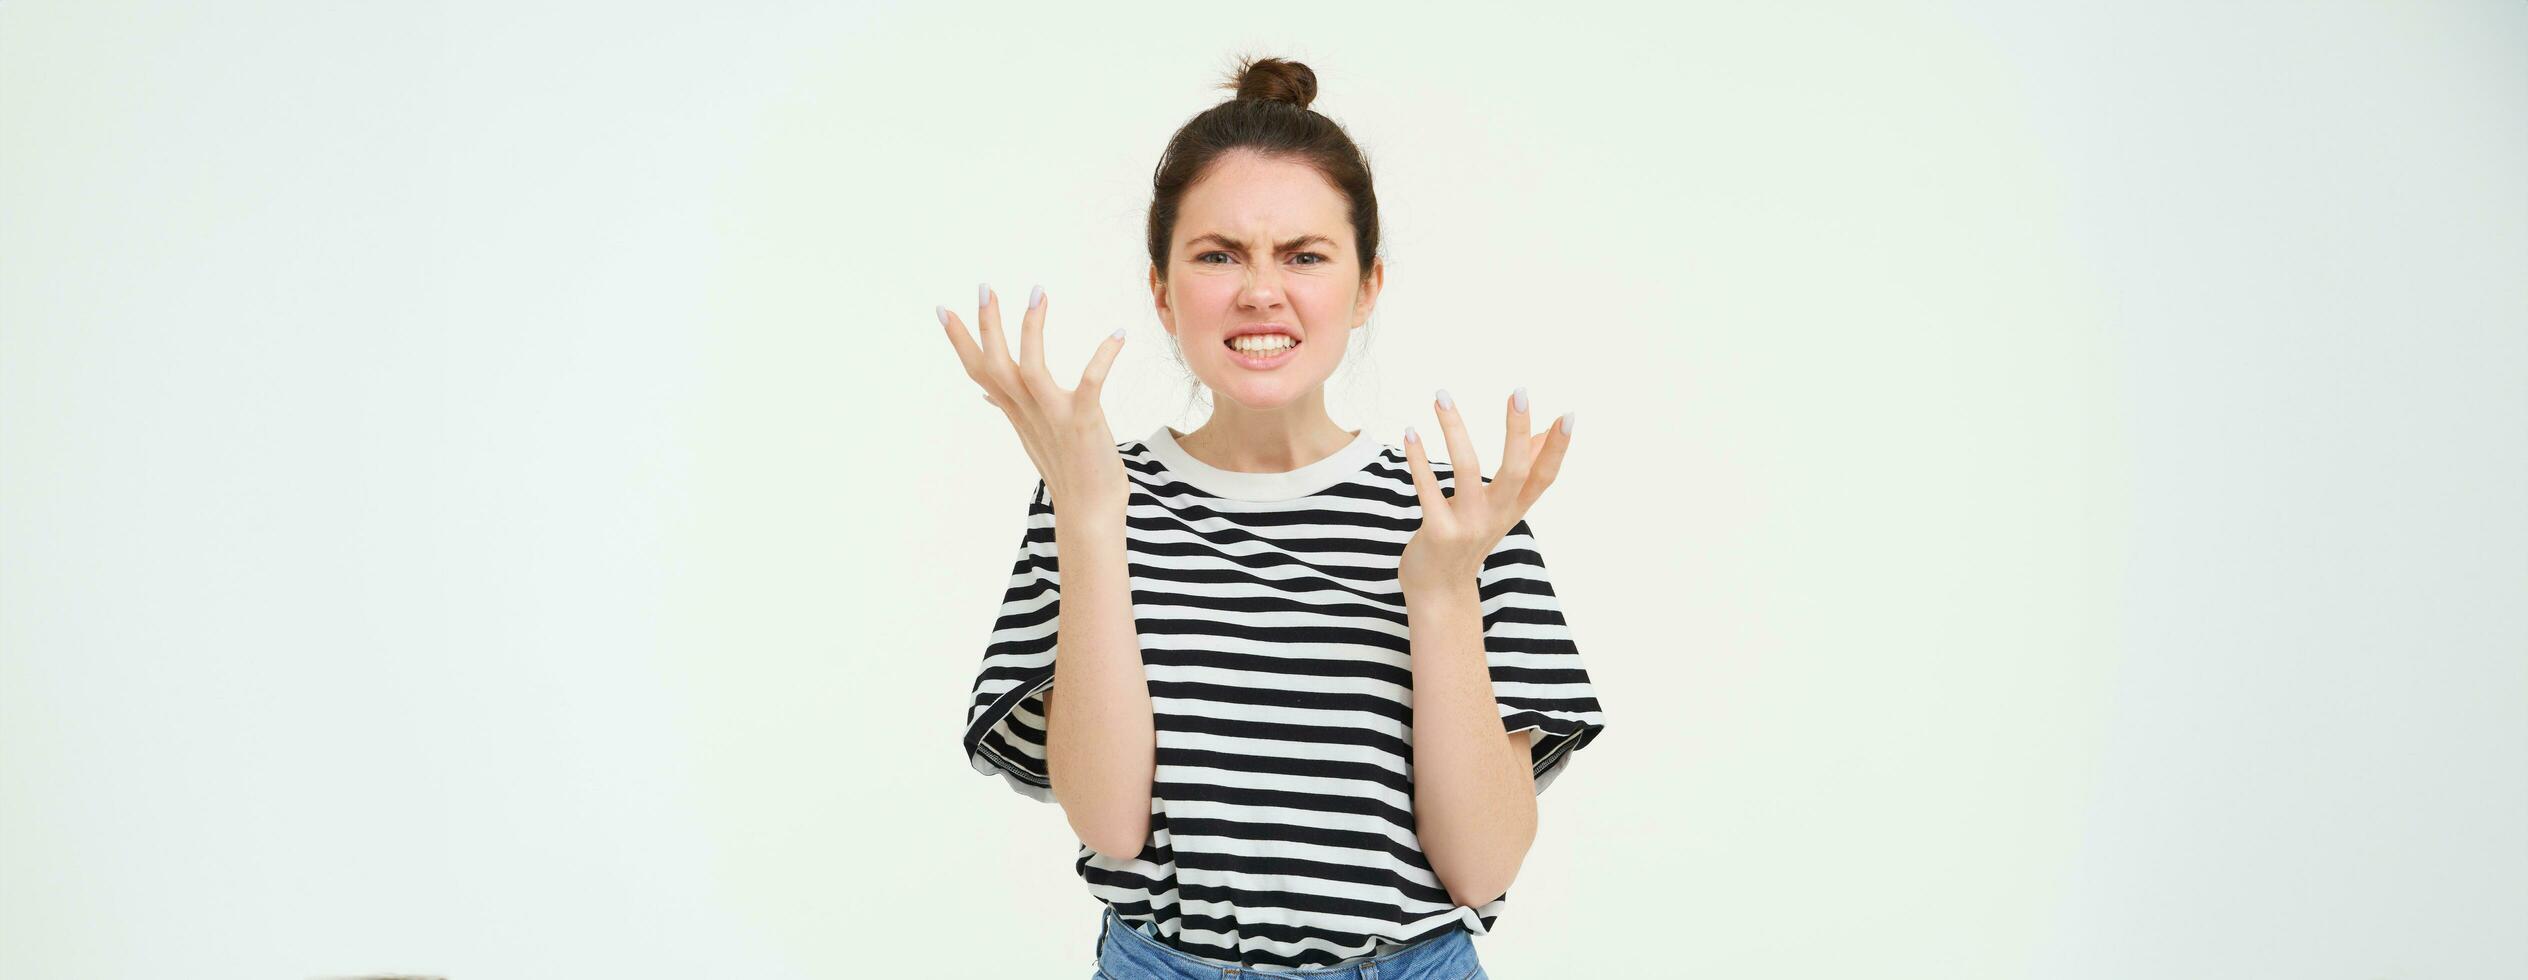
967, 353
1031, 345
1425, 485
1031, 338
1517, 449
997, 363
1093, 377
1548, 461
977, 363
987, 320
1461, 448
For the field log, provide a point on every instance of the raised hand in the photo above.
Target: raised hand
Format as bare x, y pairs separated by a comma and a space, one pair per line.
1458, 530
1063, 430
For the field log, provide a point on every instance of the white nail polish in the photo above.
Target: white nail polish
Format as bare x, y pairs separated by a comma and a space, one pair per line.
1444, 401
1035, 296
1569, 419
943, 316
982, 293
1118, 334
1519, 398
1409, 436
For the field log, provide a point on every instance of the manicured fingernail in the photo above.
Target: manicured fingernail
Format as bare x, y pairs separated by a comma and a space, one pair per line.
1569, 419
982, 294
943, 316
1519, 398
1409, 436
1118, 334
1444, 402
1035, 296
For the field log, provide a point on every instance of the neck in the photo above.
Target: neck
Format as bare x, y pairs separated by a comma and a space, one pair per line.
1243, 440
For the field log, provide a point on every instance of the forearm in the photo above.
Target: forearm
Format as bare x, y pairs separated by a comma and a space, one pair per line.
1474, 793
1099, 742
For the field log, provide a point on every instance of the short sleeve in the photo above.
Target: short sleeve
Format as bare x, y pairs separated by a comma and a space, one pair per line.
1005, 716
1537, 677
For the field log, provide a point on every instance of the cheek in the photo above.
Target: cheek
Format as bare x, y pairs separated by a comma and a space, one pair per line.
1323, 304
1207, 292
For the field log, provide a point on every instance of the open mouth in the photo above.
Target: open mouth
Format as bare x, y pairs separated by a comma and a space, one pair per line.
1261, 350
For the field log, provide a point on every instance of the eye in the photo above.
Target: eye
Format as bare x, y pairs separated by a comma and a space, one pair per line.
1320, 258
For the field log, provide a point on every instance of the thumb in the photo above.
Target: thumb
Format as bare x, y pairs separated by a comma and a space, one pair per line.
1093, 378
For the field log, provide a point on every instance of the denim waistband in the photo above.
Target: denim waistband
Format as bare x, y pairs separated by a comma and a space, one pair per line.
1132, 951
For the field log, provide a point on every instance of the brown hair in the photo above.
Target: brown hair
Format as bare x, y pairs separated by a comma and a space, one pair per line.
1270, 115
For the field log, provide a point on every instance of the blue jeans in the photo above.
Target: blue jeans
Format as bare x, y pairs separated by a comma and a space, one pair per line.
1129, 952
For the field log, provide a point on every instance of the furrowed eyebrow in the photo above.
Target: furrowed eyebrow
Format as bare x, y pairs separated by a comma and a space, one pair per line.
1224, 240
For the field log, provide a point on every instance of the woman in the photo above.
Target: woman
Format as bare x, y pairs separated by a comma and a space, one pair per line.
1308, 687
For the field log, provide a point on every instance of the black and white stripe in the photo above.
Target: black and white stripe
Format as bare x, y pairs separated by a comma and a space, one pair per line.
1273, 637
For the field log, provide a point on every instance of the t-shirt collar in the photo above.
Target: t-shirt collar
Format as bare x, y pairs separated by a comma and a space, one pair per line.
1352, 458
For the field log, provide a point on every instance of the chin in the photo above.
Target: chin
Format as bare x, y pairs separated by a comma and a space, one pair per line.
1264, 393
1256, 398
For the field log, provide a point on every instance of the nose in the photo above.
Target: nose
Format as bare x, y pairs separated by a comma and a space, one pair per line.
1263, 289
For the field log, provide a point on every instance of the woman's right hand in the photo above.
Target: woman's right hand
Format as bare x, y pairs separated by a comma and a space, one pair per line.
1064, 431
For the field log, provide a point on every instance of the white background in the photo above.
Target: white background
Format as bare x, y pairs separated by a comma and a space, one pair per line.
485, 494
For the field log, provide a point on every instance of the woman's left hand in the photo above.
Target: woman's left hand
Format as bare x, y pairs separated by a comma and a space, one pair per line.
1458, 530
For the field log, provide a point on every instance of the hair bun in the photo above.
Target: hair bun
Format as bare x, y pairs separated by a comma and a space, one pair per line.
1275, 80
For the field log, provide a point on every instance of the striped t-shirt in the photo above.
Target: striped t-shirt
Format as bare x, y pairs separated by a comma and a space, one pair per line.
1273, 640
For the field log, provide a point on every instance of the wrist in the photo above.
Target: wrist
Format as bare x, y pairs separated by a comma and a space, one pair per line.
1440, 588
1090, 520
1097, 500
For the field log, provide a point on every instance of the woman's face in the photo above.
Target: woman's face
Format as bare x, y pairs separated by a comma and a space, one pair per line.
1263, 243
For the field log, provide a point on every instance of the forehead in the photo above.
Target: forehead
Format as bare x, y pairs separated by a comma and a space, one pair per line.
1248, 196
